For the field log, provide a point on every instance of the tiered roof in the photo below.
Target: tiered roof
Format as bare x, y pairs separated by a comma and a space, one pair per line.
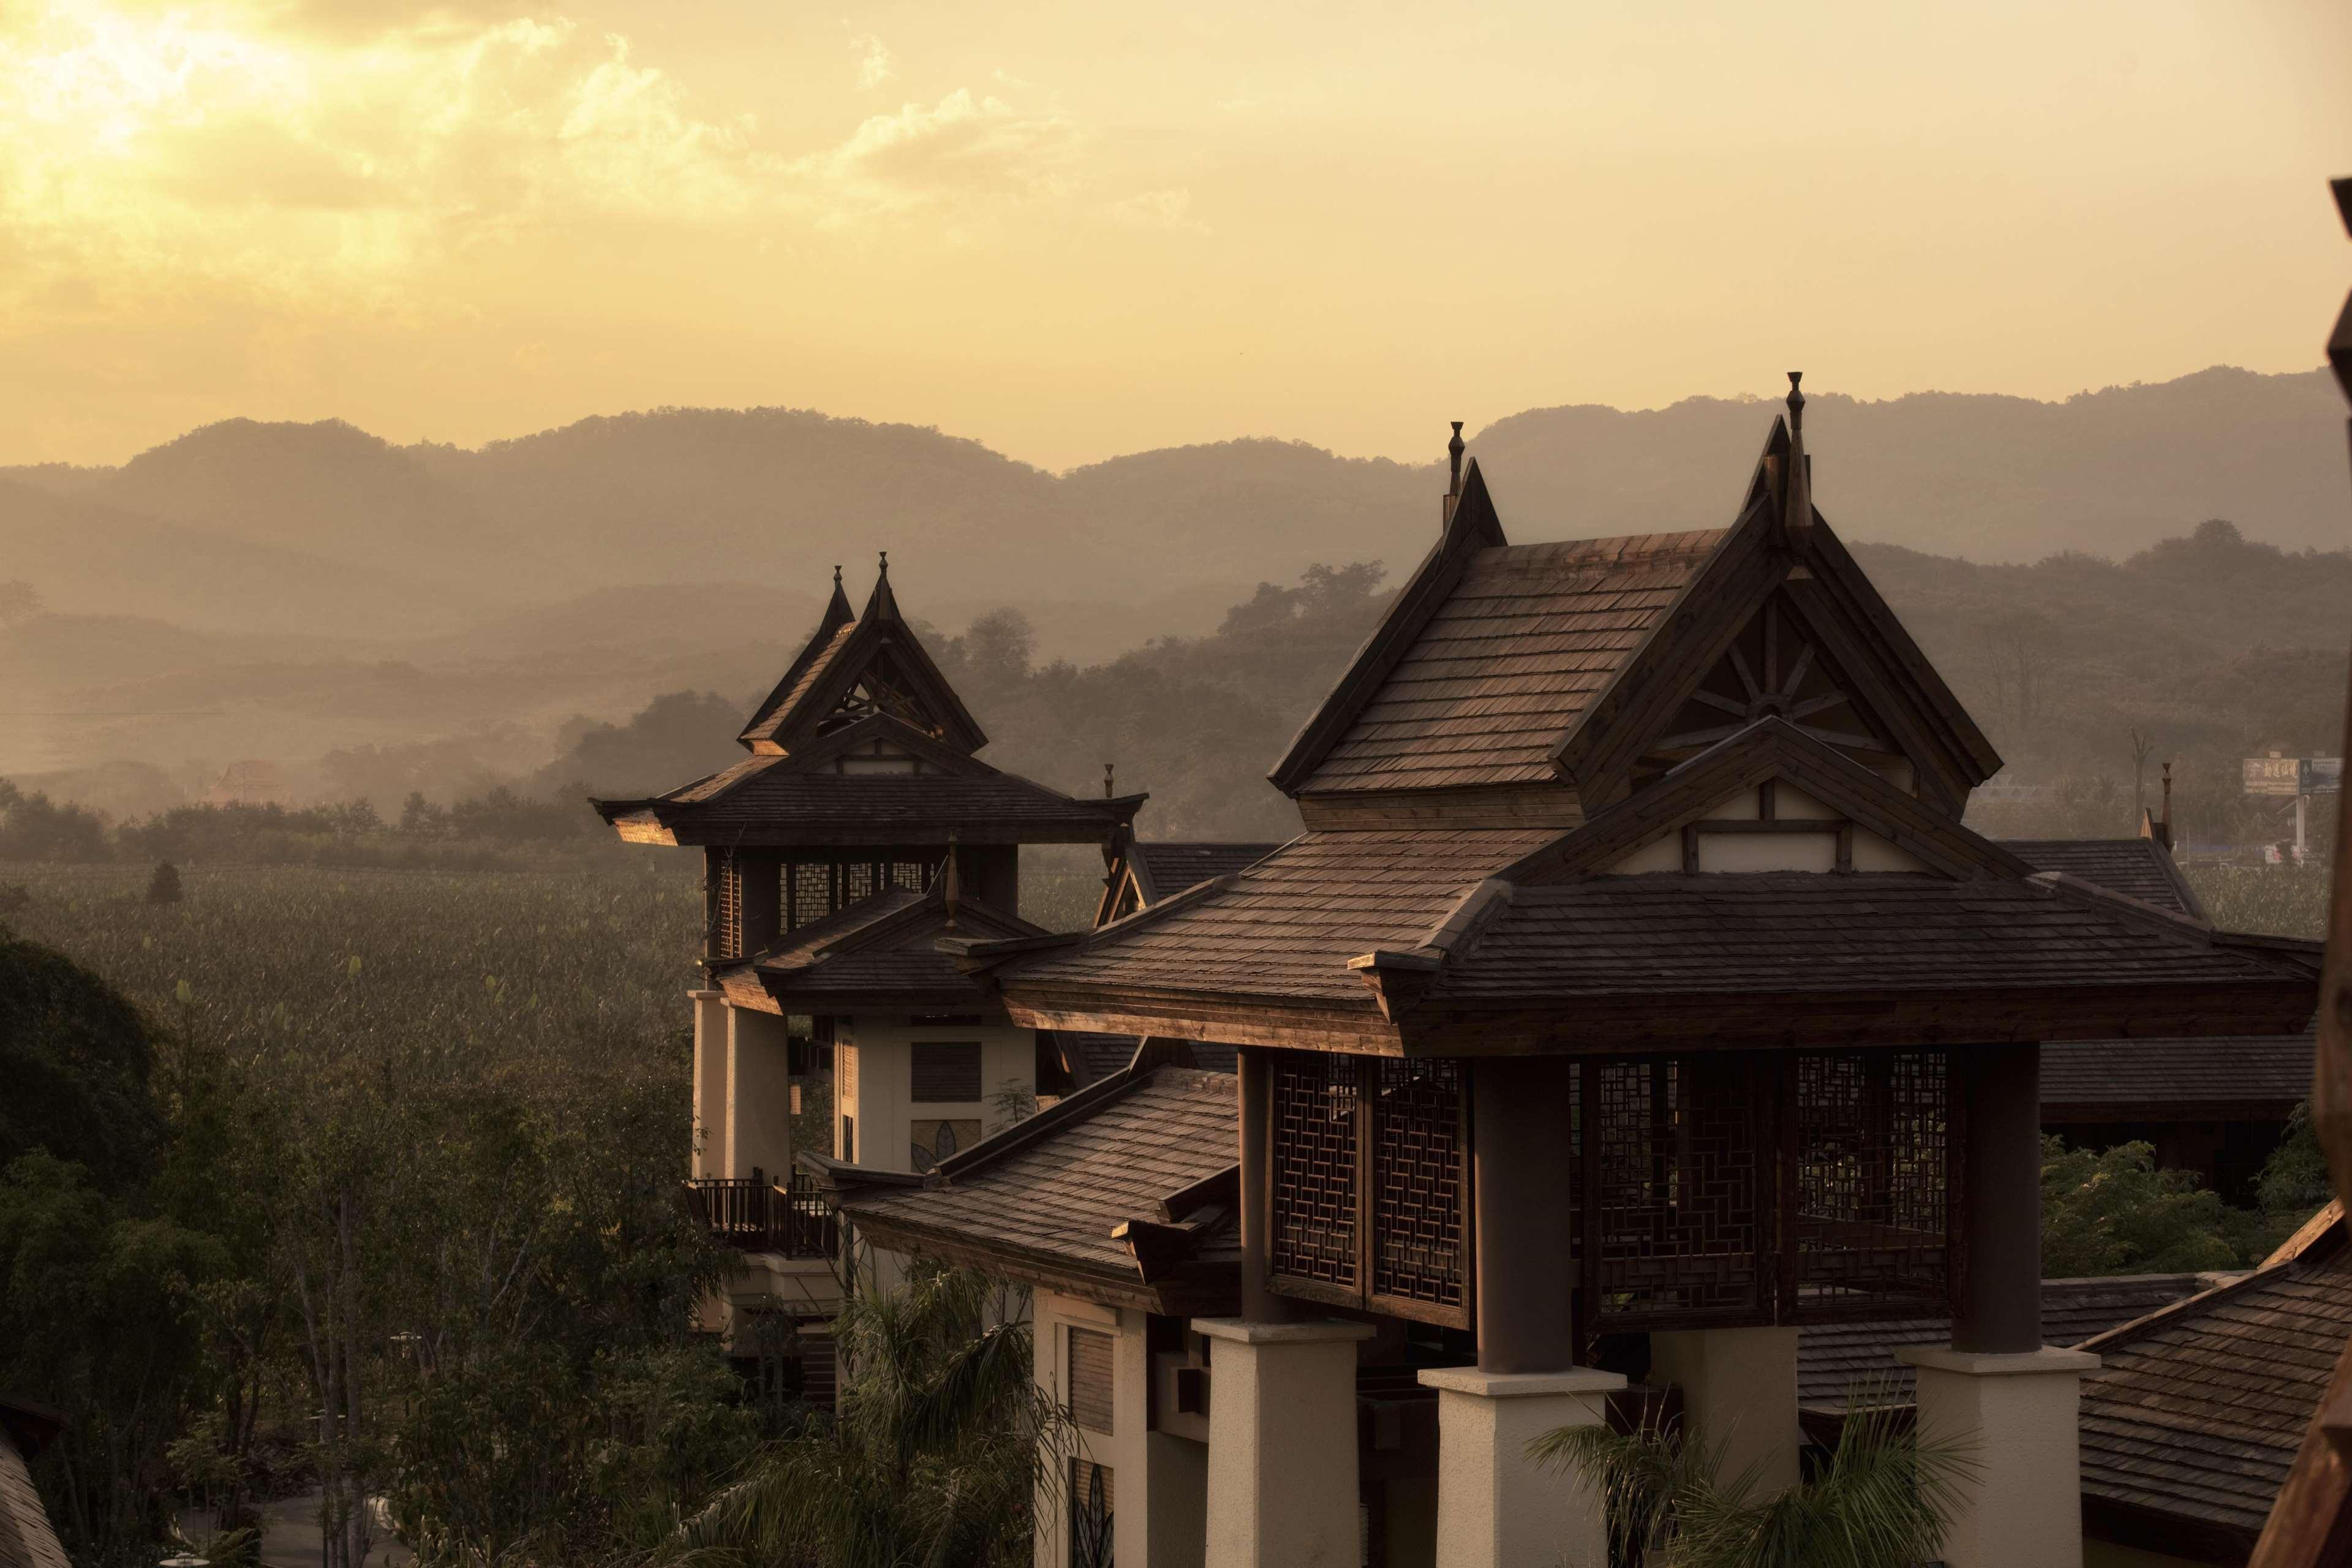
1495, 789
881, 951
863, 687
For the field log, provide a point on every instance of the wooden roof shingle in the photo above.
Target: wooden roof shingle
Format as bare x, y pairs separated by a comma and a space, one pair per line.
1044, 1196
2195, 1411
1498, 674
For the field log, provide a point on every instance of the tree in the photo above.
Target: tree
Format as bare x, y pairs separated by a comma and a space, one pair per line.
999, 645
76, 1058
164, 886
1884, 1498
939, 1453
2141, 745
2114, 1212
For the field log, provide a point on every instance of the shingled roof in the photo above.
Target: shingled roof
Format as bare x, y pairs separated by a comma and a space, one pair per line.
2223, 1077
1492, 681
1151, 1149
864, 742
881, 952
1360, 938
1836, 1362
1166, 867
2140, 868
2192, 1421
1534, 682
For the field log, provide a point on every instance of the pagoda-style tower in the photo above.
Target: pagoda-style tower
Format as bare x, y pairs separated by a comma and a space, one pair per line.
860, 830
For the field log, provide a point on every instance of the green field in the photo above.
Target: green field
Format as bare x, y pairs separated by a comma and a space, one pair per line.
511, 965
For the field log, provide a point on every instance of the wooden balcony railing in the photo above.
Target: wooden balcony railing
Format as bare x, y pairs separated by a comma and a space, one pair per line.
756, 1214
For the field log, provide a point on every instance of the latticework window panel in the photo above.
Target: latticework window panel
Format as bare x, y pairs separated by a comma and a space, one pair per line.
1417, 1181
727, 874
1875, 1148
1315, 1103
1677, 1213
815, 889
1371, 1190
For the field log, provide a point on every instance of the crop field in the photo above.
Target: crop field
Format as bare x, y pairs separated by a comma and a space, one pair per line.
297, 961
2275, 900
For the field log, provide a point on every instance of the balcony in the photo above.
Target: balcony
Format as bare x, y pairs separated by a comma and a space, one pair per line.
755, 1215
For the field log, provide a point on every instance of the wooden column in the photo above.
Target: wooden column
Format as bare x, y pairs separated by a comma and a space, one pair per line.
1998, 1308
762, 895
1521, 1174
1259, 1304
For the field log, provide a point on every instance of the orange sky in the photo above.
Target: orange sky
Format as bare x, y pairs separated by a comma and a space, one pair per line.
1071, 229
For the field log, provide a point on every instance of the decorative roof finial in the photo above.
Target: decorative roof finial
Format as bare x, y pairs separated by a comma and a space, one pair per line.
1797, 487
951, 889
1107, 791
836, 573
1454, 479
886, 563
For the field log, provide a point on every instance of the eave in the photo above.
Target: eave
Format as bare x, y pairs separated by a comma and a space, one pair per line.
1224, 1018
1196, 1289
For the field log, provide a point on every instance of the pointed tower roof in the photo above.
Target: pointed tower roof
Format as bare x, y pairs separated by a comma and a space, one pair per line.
856, 667
829, 629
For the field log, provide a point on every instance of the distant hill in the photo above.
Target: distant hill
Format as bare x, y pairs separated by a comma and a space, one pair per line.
366, 536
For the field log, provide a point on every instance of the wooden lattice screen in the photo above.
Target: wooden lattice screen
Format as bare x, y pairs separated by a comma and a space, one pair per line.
1712, 1189
1389, 1231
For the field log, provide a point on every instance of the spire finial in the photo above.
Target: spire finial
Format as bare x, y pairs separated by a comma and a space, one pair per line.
836, 573
1797, 487
952, 890
886, 563
1453, 478
1108, 791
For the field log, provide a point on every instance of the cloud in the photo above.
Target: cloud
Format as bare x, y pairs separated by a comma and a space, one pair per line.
958, 148
176, 153
1156, 209
874, 65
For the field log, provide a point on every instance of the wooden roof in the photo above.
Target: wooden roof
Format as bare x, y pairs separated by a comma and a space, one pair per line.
1164, 867
2194, 1415
862, 689
1467, 938
1505, 663
880, 953
1835, 1361
2140, 866
1504, 674
1151, 1149
877, 648
2224, 1077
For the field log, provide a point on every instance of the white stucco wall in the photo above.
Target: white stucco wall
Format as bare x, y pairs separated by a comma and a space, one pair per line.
1159, 1482
1769, 852
881, 1102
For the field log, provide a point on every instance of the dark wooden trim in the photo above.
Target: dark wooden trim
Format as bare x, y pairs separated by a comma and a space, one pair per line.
2094, 1112
1941, 776
2167, 1534
1820, 826
1770, 748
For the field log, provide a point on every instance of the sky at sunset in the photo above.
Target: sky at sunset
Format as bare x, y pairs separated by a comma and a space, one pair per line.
1073, 229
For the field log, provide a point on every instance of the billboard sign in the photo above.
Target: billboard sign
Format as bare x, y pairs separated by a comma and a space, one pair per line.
2274, 775
2294, 775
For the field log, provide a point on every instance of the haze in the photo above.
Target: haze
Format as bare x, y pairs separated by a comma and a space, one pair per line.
1074, 230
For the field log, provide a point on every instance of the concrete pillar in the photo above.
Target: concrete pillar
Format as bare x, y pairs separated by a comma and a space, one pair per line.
759, 1094
1282, 1443
1998, 1308
709, 1084
1740, 1397
1496, 1507
1524, 1223
2019, 1499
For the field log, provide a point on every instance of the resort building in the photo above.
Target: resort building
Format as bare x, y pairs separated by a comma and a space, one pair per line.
859, 831
1634, 1004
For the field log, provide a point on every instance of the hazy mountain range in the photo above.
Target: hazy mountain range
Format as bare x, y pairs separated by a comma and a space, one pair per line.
283, 590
